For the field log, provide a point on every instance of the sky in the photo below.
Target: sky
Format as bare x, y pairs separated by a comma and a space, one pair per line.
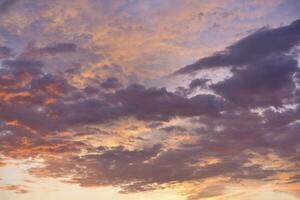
149, 99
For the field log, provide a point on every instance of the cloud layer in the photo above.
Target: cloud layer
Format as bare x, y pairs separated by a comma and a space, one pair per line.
89, 121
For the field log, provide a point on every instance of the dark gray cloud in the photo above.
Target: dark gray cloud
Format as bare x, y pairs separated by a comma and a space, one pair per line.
5, 52
263, 83
54, 85
149, 104
20, 63
6, 4
252, 48
198, 83
111, 83
262, 68
152, 168
57, 48
170, 129
276, 118
29, 116
159, 104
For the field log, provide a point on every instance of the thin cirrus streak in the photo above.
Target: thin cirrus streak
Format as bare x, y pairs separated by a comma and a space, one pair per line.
99, 99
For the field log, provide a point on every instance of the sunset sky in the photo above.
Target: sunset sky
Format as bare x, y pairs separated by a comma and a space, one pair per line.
149, 100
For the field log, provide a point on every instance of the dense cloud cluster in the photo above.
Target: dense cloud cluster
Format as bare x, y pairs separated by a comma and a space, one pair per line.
254, 113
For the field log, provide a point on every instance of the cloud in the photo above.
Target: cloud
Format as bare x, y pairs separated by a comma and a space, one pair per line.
64, 120
52, 85
150, 168
211, 191
159, 104
155, 167
261, 65
263, 83
54, 49
135, 101
5, 52
198, 83
259, 45
6, 4
111, 83
294, 179
21, 64
19, 189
